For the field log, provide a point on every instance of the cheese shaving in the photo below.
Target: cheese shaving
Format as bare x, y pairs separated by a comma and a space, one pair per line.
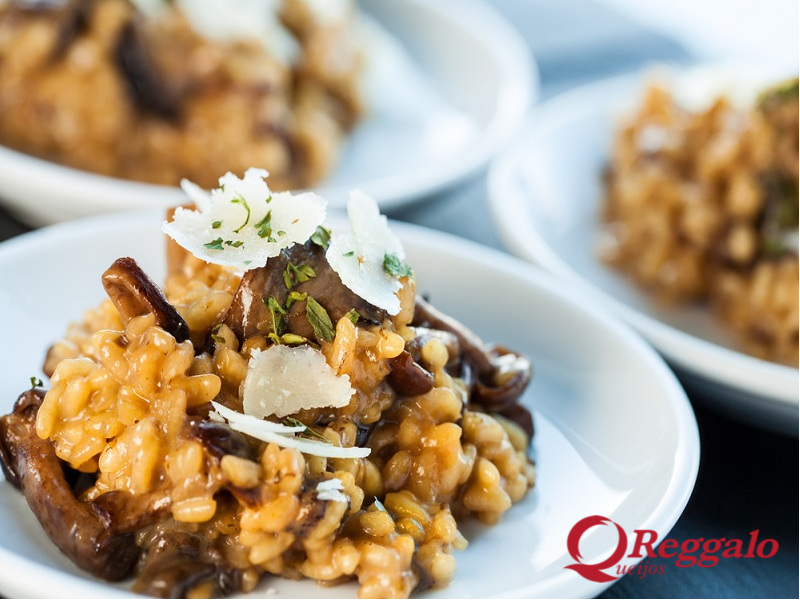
331, 489
223, 412
242, 224
358, 256
283, 380
267, 431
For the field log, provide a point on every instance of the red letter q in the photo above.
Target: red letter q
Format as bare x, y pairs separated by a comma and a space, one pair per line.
594, 572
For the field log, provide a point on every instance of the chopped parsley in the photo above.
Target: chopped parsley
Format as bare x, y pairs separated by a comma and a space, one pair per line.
215, 244
294, 297
350, 253
396, 267
276, 311
321, 237
240, 200
292, 275
216, 224
215, 335
353, 315
288, 339
235, 244
320, 321
36, 382
264, 227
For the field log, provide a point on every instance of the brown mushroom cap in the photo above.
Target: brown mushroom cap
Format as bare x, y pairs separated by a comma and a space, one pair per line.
135, 294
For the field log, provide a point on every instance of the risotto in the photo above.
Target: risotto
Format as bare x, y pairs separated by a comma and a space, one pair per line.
287, 406
184, 89
703, 206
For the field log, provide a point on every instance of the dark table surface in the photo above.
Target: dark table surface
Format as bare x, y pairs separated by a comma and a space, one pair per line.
748, 478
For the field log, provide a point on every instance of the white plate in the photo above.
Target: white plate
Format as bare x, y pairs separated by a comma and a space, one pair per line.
441, 107
615, 433
545, 195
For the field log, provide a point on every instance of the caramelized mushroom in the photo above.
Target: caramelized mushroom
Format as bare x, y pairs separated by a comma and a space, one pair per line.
86, 532
134, 294
500, 375
219, 439
407, 377
249, 314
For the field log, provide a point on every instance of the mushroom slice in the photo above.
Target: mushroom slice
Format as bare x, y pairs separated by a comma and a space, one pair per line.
85, 532
500, 375
408, 377
134, 294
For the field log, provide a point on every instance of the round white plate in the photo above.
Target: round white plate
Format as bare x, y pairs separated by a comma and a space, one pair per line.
448, 87
615, 435
545, 195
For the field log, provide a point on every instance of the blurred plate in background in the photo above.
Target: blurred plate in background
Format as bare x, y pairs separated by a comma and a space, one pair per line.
448, 87
545, 195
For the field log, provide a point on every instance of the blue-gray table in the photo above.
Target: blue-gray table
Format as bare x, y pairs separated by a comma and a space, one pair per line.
748, 478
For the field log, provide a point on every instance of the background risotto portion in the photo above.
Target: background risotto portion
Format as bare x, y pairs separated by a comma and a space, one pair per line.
101, 86
704, 205
159, 484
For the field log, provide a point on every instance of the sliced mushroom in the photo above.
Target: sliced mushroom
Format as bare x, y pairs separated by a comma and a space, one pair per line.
85, 532
498, 376
249, 314
471, 345
219, 439
409, 378
134, 294
511, 375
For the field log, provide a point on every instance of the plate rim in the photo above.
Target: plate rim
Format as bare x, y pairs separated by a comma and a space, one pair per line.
661, 518
517, 92
509, 210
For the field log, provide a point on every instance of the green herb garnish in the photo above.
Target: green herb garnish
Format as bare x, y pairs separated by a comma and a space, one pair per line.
319, 319
321, 237
353, 315
215, 244
216, 224
292, 422
292, 339
36, 382
350, 253
243, 202
292, 275
276, 311
264, 227
396, 267
294, 297
235, 244
215, 335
